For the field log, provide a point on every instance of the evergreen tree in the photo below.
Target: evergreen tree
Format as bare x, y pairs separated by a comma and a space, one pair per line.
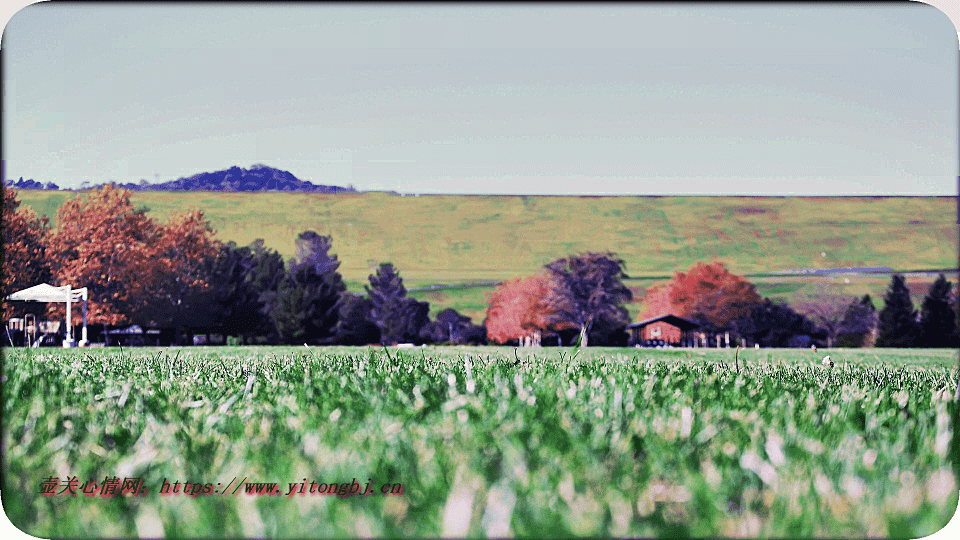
243, 278
399, 318
898, 320
938, 326
356, 325
304, 308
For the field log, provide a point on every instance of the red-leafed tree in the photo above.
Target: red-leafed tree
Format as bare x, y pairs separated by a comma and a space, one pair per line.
657, 302
23, 260
103, 243
133, 268
518, 308
184, 253
707, 293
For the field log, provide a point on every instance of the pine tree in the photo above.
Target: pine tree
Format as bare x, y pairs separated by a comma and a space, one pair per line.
898, 320
304, 308
938, 324
242, 279
399, 318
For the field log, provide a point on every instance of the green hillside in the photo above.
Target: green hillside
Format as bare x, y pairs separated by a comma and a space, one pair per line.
462, 239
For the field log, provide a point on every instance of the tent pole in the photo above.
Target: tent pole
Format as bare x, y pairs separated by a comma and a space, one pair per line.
68, 342
83, 333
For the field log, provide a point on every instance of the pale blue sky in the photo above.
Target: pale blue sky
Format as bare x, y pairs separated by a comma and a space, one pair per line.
761, 99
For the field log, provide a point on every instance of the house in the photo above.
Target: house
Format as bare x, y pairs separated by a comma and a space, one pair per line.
666, 329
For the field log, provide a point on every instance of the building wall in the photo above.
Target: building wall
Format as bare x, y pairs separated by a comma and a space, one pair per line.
662, 330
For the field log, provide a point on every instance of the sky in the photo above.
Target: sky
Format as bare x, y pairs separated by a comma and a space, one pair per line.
616, 99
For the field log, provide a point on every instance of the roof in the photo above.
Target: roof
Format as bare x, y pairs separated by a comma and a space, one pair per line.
679, 322
48, 293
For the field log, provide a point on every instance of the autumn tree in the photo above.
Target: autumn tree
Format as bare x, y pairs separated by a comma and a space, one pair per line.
938, 326
304, 308
24, 258
587, 291
707, 293
105, 244
712, 295
185, 252
897, 325
518, 308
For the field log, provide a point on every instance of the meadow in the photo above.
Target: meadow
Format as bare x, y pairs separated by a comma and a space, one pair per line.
485, 442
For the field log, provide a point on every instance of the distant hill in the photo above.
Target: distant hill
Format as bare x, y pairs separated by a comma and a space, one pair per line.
30, 184
235, 179
256, 178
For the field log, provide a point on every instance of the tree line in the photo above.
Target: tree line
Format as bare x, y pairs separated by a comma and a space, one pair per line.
175, 274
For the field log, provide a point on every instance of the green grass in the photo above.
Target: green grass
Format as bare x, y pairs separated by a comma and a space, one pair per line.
456, 239
619, 442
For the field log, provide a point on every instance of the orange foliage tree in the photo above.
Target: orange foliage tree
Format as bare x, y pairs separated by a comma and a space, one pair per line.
708, 293
184, 253
131, 265
518, 308
23, 262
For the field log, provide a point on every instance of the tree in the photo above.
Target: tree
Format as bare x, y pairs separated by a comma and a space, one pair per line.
859, 322
518, 308
828, 311
898, 320
707, 293
938, 323
304, 308
24, 258
356, 325
185, 250
587, 291
103, 243
712, 295
453, 328
774, 324
399, 318
241, 280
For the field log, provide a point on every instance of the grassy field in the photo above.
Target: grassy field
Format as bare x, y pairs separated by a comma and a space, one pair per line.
450, 239
464, 239
485, 441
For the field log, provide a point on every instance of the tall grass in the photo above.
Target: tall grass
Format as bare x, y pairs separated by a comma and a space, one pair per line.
606, 442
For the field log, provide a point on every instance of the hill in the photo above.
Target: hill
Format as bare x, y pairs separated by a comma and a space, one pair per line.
255, 179
448, 239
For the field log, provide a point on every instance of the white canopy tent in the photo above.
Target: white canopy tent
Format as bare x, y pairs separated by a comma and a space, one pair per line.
48, 293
